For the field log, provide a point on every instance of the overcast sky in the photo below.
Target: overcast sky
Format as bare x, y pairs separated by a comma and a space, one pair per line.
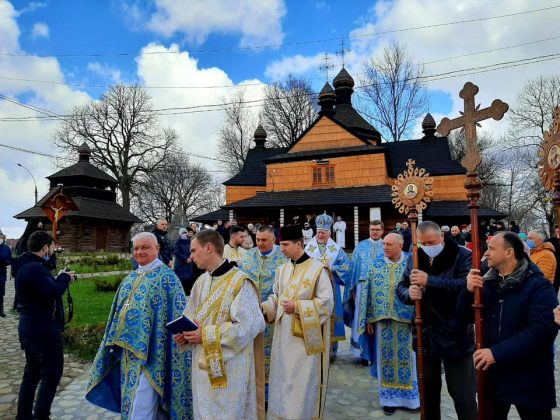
58, 54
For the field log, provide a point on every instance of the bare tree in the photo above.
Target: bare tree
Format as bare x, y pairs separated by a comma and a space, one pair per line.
123, 133
393, 94
489, 169
289, 108
177, 190
532, 114
236, 135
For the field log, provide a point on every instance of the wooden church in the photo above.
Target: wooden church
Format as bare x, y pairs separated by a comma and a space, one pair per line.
99, 223
339, 165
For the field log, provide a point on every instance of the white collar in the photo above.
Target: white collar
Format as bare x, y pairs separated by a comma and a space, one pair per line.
154, 264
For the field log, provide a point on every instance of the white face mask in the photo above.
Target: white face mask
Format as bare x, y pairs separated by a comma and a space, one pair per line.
184, 236
432, 251
1, 241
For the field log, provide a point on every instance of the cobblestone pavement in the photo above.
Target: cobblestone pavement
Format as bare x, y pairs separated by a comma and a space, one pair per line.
352, 392
12, 360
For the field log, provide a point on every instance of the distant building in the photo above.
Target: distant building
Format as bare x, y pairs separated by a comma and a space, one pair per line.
99, 223
341, 166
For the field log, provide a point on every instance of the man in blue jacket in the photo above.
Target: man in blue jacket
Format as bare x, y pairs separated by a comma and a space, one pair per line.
41, 322
5, 261
519, 331
441, 276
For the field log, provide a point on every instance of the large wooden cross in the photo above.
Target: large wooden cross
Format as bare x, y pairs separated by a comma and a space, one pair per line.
469, 120
56, 208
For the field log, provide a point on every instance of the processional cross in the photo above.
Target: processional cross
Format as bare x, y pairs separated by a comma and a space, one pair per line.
549, 163
469, 120
411, 191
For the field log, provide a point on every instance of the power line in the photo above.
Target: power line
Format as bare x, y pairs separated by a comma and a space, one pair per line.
259, 102
34, 152
253, 84
291, 44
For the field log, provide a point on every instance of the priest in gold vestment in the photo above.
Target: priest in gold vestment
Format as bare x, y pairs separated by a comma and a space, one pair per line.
227, 348
300, 307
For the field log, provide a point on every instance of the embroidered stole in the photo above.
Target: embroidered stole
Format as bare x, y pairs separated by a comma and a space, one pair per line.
215, 309
306, 322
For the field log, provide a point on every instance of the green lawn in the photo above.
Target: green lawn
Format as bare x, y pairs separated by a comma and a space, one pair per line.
122, 265
91, 309
90, 305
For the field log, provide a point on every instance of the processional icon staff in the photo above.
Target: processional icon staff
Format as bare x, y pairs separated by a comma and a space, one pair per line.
468, 121
549, 163
411, 191
56, 208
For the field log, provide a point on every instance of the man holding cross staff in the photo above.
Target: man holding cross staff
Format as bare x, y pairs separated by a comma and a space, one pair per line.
432, 280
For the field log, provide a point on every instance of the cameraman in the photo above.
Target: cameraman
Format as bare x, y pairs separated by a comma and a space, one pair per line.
41, 323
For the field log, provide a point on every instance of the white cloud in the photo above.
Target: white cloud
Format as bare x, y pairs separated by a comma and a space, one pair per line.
40, 30
258, 21
32, 6
198, 131
296, 65
16, 186
106, 71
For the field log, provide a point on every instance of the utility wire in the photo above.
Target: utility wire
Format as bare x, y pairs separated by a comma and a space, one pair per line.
291, 44
258, 102
105, 86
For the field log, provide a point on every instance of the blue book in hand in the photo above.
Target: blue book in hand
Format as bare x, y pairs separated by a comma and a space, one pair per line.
180, 325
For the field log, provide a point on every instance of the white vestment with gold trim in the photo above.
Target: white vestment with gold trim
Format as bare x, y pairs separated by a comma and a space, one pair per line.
299, 364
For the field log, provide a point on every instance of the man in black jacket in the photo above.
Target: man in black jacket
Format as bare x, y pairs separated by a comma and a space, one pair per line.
41, 322
165, 249
519, 331
443, 268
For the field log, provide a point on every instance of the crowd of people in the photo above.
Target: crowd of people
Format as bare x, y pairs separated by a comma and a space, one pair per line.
264, 321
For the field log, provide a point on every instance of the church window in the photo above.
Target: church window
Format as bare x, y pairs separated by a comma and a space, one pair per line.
323, 174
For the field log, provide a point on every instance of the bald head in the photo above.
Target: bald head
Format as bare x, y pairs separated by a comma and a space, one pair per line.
392, 246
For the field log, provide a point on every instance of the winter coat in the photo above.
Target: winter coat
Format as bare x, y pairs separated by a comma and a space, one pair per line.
182, 252
446, 335
543, 256
39, 297
519, 330
5, 261
165, 251
407, 239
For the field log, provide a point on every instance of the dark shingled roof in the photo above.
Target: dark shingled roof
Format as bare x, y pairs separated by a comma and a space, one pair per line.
213, 216
346, 115
327, 196
326, 153
432, 155
254, 170
457, 209
87, 207
83, 168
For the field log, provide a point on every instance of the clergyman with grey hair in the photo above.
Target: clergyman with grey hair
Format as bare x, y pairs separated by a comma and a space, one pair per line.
131, 373
442, 271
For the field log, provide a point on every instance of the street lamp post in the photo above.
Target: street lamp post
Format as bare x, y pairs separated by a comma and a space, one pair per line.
20, 165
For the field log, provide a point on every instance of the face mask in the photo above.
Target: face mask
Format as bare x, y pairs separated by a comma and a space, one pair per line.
1, 241
46, 257
184, 236
531, 244
432, 251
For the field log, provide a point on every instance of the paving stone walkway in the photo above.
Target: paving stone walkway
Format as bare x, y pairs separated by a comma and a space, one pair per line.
352, 392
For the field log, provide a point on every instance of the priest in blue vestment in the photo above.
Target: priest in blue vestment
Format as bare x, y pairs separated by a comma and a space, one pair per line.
389, 321
363, 258
322, 248
261, 263
138, 371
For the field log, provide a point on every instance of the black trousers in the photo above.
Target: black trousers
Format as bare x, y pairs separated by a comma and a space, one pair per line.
461, 384
499, 411
44, 362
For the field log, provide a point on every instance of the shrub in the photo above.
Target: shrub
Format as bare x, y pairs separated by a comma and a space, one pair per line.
83, 340
107, 283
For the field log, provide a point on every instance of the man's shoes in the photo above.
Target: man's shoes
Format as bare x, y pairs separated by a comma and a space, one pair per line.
389, 411
364, 362
333, 358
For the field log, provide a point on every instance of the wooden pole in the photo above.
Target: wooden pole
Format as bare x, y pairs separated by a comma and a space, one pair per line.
413, 221
556, 197
473, 185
